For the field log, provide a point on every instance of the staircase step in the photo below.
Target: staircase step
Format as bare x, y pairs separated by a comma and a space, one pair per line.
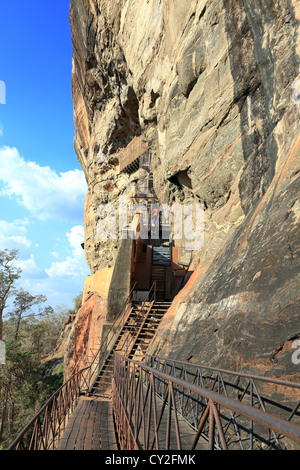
136, 335
102, 378
103, 382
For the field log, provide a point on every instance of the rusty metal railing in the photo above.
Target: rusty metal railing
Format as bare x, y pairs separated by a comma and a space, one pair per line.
139, 321
45, 429
122, 342
277, 397
144, 421
107, 344
135, 149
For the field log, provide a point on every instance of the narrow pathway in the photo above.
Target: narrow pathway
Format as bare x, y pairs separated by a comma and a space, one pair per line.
90, 427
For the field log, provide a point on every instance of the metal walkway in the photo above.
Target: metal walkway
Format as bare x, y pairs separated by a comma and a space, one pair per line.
129, 401
90, 427
133, 341
130, 334
154, 410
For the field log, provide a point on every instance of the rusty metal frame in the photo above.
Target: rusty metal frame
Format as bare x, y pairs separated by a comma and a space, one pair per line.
132, 153
241, 386
99, 361
139, 411
139, 321
45, 429
94, 367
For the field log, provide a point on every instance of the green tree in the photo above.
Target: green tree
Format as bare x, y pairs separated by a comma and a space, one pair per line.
22, 308
77, 303
30, 331
41, 334
8, 276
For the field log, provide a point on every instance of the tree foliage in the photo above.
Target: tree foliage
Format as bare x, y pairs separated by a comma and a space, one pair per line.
30, 330
8, 276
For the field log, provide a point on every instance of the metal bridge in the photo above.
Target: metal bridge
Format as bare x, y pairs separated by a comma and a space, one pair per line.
126, 400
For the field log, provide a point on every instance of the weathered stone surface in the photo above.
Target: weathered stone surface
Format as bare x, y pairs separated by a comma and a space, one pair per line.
98, 283
85, 335
243, 312
209, 83
120, 283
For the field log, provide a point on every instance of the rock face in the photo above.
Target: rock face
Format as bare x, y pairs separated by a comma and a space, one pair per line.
211, 85
84, 335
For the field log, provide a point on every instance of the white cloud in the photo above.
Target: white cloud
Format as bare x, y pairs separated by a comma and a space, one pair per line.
13, 236
45, 193
30, 269
65, 279
76, 238
16, 227
59, 291
15, 240
1, 129
74, 265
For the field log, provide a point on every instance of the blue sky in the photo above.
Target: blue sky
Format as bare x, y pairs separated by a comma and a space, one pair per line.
42, 187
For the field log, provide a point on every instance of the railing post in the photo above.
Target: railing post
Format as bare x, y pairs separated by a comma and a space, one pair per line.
140, 410
44, 430
211, 432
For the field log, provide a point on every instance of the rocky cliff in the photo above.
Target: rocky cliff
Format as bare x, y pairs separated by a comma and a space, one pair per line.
212, 87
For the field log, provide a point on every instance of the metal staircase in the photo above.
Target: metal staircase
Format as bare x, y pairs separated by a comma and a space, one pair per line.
132, 341
158, 275
162, 403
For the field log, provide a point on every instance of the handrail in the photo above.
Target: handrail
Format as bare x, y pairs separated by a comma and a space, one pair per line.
143, 313
246, 388
144, 422
233, 373
100, 355
44, 430
127, 342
